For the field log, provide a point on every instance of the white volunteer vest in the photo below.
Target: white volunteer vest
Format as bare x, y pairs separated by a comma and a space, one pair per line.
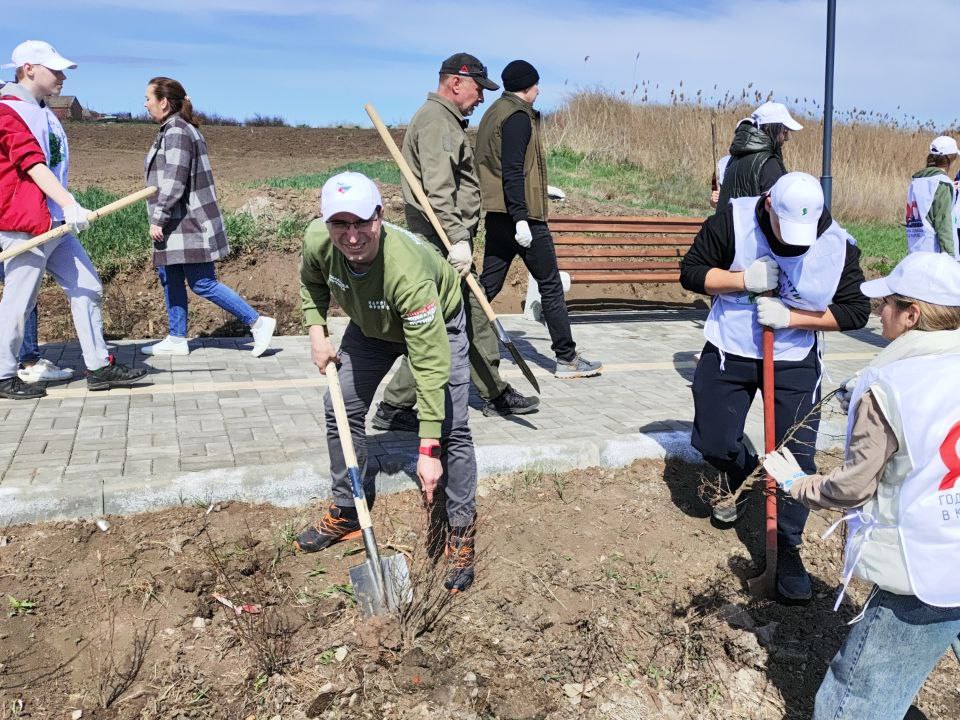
921, 236
924, 413
807, 282
46, 128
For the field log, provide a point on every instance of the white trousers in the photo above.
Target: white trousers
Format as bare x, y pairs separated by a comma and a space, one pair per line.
67, 261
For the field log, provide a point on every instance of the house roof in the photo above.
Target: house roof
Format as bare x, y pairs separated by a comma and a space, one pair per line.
62, 101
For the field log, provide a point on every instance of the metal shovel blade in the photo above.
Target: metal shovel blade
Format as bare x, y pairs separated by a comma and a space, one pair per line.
378, 593
517, 357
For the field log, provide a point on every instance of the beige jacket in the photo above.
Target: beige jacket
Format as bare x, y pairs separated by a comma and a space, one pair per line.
438, 151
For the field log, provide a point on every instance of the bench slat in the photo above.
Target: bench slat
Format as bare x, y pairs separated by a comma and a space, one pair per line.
626, 277
583, 251
615, 228
625, 220
615, 266
608, 241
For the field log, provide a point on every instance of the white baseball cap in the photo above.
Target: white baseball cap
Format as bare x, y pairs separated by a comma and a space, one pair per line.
774, 112
797, 200
944, 145
349, 192
929, 276
38, 52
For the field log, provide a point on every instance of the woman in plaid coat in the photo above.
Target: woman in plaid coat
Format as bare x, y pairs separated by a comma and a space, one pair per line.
185, 221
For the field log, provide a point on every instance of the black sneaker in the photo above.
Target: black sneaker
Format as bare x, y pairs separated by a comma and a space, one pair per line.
113, 375
793, 581
339, 524
391, 417
461, 557
16, 389
510, 402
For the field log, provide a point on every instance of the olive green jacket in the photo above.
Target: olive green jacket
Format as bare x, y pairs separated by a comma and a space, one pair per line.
438, 151
489, 160
941, 211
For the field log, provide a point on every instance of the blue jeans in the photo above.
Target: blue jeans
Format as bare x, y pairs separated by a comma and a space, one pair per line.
30, 349
886, 658
202, 279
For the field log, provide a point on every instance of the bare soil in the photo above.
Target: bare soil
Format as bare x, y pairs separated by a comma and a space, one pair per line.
600, 594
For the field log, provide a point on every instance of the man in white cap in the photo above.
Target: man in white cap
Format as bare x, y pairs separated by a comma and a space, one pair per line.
756, 154
34, 164
783, 241
403, 299
931, 221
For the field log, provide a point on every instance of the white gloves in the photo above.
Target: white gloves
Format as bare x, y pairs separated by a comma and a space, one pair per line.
783, 467
75, 215
773, 313
762, 275
461, 257
523, 237
845, 393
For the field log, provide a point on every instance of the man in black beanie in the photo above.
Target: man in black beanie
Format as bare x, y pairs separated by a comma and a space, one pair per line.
513, 185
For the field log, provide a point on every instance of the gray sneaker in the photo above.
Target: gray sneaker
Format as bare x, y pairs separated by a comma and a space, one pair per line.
728, 509
579, 367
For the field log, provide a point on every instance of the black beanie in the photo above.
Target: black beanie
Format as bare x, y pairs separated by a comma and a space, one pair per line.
519, 75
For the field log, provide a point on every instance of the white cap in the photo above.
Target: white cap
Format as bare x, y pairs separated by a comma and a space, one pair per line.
797, 200
38, 52
349, 192
944, 145
929, 276
773, 112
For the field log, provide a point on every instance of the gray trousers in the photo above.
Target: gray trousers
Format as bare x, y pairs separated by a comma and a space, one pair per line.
401, 391
67, 261
364, 363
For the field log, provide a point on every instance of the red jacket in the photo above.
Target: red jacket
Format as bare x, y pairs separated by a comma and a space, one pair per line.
23, 206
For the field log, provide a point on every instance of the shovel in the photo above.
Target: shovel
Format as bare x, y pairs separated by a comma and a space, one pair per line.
380, 584
64, 229
471, 281
765, 584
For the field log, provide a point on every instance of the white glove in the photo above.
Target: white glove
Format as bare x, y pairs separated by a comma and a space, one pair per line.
783, 467
75, 216
461, 257
555, 193
523, 237
762, 275
773, 313
845, 393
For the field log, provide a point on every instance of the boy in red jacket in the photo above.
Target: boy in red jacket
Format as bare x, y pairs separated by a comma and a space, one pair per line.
34, 163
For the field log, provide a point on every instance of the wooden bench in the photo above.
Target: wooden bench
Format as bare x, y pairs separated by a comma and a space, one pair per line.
597, 249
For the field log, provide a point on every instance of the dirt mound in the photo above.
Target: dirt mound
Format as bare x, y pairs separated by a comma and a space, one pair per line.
600, 595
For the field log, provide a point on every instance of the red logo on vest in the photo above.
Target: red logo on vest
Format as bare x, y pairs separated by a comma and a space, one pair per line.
951, 458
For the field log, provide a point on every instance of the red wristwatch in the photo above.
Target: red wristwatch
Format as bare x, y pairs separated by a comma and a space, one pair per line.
431, 451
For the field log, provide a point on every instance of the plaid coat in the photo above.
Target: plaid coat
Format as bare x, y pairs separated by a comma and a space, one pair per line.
186, 204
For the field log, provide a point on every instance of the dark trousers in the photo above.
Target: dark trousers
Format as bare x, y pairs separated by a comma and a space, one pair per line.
721, 403
501, 248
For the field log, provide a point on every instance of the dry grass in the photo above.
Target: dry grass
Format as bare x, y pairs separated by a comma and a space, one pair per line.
872, 161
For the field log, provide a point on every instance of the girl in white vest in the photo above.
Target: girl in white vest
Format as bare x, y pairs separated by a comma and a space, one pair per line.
902, 474
931, 216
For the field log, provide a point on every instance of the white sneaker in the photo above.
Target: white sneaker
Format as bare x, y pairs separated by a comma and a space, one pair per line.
43, 371
170, 345
262, 335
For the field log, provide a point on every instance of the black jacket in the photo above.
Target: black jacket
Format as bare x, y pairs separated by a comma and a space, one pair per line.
714, 247
755, 165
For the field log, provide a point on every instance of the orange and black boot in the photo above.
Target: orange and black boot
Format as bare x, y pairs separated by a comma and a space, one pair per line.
461, 555
340, 523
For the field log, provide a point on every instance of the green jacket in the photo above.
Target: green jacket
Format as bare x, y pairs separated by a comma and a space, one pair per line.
940, 215
749, 152
406, 297
489, 139
438, 151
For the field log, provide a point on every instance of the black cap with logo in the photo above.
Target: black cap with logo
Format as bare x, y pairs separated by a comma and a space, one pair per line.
468, 66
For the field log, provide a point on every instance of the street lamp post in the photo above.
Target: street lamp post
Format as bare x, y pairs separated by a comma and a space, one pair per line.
826, 179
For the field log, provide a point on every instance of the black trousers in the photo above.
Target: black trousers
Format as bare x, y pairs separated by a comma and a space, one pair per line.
721, 403
501, 248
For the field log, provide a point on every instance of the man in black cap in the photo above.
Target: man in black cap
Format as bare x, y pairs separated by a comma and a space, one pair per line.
513, 183
437, 150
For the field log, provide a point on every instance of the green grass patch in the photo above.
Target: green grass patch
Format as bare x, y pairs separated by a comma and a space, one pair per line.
386, 171
880, 241
117, 241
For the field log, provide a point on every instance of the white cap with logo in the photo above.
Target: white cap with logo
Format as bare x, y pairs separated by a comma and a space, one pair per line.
38, 52
797, 200
349, 192
774, 112
944, 145
928, 276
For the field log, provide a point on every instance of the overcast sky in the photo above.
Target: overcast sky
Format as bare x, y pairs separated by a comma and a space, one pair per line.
318, 62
